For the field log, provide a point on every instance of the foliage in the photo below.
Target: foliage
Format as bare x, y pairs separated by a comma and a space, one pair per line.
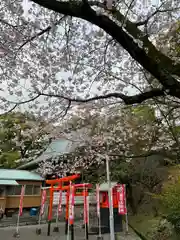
170, 197
21, 138
163, 231
174, 219
171, 203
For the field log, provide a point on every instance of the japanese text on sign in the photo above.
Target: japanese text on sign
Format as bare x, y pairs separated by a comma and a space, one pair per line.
122, 199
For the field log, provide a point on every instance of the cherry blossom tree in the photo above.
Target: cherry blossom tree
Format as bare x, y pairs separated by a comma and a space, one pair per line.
59, 55
121, 134
56, 54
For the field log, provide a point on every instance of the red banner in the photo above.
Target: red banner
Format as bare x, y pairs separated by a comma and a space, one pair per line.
21, 200
122, 199
71, 205
60, 203
97, 200
43, 200
85, 205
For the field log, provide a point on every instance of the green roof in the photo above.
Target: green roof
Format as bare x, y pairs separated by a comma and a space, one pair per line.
8, 182
12, 174
56, 148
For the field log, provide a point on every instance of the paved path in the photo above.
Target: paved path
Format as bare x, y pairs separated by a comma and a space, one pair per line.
29, 233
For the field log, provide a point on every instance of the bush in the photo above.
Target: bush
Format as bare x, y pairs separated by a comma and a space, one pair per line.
174, 219
164, 231
171, 204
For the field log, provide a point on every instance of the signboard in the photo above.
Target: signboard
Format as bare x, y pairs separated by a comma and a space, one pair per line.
79, 200
43, 200
122, 199
21, 200
56, 199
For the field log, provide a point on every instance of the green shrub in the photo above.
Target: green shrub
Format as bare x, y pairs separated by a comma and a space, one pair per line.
164, 231
174, 219
170, 201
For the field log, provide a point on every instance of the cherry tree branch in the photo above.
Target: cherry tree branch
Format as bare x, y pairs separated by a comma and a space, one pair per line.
155, 64
9, 111
130, 27
16, 104
161, 152
24, 102
45, 30
138, 98
154, 13
6, 23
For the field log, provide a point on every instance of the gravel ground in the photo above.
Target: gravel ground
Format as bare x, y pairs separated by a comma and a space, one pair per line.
29, 233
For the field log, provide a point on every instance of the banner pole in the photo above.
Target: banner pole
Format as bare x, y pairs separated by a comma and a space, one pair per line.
67, 211
50, 211
16, 234
126, 216
88, 210
85, 213
98, 212
43, 200
111, 213
70, 214
58, 211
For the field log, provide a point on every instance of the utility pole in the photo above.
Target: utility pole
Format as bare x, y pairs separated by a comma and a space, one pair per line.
111, 214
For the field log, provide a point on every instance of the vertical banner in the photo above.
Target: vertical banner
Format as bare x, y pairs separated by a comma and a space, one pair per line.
85, 205
50, 204
98, 199
43, 200
98, 208
16, 234
71, 205
21, 200
67, 204
122, 199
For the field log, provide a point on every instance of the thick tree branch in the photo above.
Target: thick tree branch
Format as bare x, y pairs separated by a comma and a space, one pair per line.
139, 98
153, 64
131, 28
152, 52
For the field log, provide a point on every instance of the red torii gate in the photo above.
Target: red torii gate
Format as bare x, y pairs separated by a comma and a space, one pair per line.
52, 182
84, 186
60, 181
